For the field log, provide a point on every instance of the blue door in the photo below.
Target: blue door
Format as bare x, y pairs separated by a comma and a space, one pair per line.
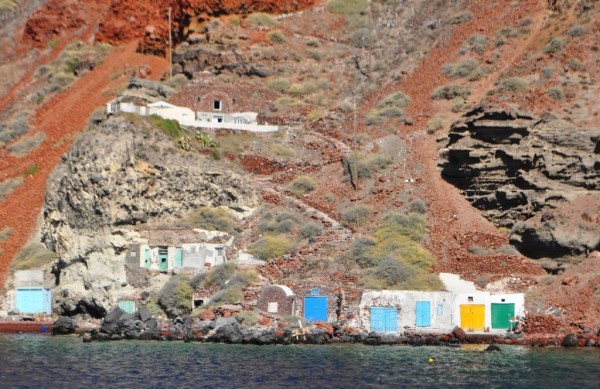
33, 300
384, 320
423, 313
315, 308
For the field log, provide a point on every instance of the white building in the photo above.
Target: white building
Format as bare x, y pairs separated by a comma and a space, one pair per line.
394, 311
243, 121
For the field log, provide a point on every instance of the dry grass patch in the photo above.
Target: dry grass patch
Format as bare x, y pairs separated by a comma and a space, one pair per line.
26, 145
33, 256
9, 185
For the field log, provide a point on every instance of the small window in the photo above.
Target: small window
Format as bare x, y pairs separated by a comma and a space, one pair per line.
503, 300
315, 292
273, 307
440, 310
217, 105
470, 298
219, 251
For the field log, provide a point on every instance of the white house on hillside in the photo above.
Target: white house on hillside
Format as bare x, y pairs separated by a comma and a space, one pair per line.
243, 121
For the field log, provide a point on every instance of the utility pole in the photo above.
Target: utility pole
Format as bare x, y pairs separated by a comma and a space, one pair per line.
170, 47
355, 141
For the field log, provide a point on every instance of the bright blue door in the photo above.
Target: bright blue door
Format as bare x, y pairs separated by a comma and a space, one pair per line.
31, 300
315, 308
384, 320
423, 313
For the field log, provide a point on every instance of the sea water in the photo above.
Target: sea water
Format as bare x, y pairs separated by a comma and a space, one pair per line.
43, 361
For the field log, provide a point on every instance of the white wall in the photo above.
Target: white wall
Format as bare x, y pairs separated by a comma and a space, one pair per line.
406, 302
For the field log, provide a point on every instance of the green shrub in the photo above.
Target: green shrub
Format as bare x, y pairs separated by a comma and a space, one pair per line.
512, 84
248, 318
211, 219
234, 21
310, 230
423, 281
435, 124
391, 106
477, 43
303, 185
360, 252
412, 226
297, 89
557, 93
170, 127
283, 226
365, 165
388, 273
457, 104
33, 256
357, 215
418, 206
317, 55
574, 64
261, 19
449, 92
279, 85
315, 114
555, 45
345, 7
276, 37
9, 185
32, 169
230, 295
460, 17
329, 197
313, 43
460, 69
218, 275
270, 247
576, 31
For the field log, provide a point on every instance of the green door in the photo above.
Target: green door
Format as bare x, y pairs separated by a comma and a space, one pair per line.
163, 261
179, 257
147, 258
501, 315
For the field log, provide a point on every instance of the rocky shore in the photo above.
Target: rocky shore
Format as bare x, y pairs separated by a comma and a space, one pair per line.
118, 325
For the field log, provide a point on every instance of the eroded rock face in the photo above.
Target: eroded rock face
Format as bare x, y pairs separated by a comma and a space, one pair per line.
119, 173
516, 169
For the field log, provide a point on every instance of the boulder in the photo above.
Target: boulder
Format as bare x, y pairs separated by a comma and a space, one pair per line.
222, 321
493, 347
459, 333
570, 340
64, 326
144, 313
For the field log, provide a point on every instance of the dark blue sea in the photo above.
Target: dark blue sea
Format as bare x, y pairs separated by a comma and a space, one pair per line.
42, 361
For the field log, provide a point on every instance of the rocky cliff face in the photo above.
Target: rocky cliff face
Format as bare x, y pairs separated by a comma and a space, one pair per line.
121, 172
539, 176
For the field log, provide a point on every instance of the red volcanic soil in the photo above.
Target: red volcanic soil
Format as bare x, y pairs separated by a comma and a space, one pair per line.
60, 119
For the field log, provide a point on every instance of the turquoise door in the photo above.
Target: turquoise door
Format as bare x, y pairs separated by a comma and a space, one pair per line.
423, 313
179, 257
163, 261
315, 308
147, 258
33, 300
384, 320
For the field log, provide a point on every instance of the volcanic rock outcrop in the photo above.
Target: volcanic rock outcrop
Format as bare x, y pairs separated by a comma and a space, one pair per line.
540, 177
121, 172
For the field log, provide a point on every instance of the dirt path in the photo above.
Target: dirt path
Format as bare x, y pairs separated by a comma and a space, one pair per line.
61, 118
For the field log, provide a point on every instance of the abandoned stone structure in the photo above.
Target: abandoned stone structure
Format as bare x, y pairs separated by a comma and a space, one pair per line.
173, 250
277, 300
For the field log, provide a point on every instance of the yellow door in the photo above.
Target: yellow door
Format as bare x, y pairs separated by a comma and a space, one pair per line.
472, 317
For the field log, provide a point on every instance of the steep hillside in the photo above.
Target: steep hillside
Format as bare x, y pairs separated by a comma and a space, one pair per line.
417, 136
